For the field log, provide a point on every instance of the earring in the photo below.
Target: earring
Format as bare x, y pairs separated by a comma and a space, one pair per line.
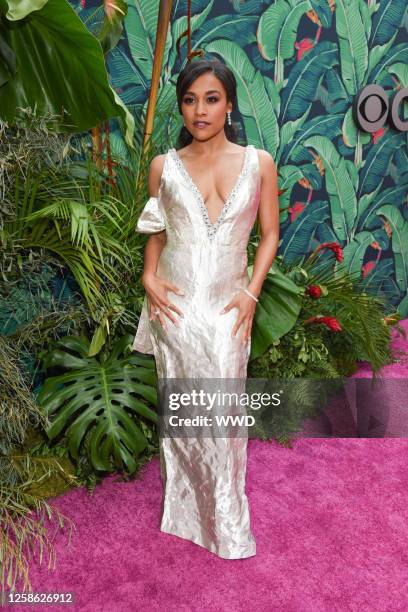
229, 118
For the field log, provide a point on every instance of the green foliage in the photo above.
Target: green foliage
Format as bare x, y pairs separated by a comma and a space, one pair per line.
24, 512
277, 310
302, 352
18, 409
295, 97
102, 394
63, 208
50, 39
313, 350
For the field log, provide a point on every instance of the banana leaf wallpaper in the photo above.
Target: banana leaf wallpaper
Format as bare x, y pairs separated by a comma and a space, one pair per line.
298, 65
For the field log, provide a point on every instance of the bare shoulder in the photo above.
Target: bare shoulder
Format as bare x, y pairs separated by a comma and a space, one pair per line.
155, 173
266, 162
157, 164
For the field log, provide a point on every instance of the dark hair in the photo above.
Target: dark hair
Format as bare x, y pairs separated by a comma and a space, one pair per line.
189, 74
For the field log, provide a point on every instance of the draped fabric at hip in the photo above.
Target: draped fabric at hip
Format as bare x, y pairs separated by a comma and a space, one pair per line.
203, 479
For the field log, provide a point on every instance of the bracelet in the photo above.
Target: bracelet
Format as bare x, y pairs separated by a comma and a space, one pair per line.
250, 295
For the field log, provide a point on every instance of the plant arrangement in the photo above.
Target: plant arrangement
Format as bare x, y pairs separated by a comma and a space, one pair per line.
335, 324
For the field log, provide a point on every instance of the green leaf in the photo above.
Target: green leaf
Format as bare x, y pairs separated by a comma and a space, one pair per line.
342, 196
298, 237
277, 311
354, 253
278, 28
352, 43
18, 9
60, 71
141, 26
104, 398
399, 243
99, 338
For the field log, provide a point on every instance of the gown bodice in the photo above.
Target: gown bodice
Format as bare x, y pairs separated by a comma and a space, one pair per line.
208, 261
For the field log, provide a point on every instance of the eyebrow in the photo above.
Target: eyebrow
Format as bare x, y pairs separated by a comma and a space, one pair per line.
207, 92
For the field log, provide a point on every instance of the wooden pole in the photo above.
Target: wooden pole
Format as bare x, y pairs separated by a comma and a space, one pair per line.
163, 21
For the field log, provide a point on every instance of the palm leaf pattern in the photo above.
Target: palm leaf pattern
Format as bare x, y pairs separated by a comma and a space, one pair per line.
298, 65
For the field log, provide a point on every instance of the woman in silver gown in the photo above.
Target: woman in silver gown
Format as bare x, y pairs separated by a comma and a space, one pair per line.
200, 257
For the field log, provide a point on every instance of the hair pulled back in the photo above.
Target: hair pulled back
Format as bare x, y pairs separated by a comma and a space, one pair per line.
188, 75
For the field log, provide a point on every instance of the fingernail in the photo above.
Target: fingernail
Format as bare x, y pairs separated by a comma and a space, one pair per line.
222, 311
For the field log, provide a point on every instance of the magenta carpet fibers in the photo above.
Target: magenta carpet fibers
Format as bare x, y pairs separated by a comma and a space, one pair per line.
330, 517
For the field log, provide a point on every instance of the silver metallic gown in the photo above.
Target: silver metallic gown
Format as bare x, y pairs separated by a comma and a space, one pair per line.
204, 497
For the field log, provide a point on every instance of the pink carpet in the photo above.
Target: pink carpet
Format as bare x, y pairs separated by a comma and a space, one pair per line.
330, 517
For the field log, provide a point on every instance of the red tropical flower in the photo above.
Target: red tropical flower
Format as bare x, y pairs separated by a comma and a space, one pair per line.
314, 291
330, 322
377, 135
295, 210
370, 265
333, 246
303, 47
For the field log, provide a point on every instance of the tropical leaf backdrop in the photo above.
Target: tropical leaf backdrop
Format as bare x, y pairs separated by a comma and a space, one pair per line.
298, 65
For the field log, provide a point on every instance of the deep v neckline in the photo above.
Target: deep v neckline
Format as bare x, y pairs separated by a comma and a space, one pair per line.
212, 227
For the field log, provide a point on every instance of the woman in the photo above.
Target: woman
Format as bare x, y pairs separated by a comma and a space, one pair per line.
199, 306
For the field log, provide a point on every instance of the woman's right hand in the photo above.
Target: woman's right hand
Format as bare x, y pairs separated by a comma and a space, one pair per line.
156, 290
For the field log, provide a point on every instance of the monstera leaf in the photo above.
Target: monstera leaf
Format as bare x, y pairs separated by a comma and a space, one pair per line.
102, 396
49, 61
277, 311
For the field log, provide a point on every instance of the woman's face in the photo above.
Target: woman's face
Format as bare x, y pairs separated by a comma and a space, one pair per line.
205, 101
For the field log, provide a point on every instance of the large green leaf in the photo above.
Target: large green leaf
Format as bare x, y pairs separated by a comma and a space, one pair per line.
141, 25
352, 43
339, 185
367, 217
399, 243
278, 27
60, 69
298, 237
300, 91
354, 253
277, 310
100, 396
377, 162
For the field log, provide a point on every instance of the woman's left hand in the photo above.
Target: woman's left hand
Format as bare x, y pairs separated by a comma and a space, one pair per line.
246, 311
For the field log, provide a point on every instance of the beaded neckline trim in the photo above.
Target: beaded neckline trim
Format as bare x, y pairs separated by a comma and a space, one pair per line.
212, 227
